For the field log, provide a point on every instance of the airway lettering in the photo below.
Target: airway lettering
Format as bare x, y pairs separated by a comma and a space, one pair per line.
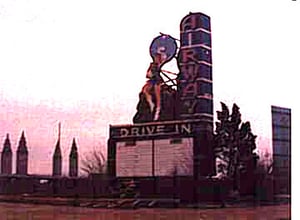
194, 57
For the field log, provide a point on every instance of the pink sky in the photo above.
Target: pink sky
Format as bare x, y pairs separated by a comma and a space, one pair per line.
89, 124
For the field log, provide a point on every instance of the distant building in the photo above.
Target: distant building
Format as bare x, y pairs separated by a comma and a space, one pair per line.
281, 138
6, 157
73, 160
22, 156
57, 159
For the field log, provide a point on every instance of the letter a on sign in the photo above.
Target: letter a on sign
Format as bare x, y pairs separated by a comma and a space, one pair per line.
190, 90
189, 23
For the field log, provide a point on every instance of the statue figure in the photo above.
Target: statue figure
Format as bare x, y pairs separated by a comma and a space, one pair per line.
168, 112
162, 49
155, 81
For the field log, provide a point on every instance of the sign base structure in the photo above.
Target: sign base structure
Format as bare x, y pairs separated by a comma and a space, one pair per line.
161, 149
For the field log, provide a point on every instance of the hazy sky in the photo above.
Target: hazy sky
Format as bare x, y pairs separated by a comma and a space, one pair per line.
83, 63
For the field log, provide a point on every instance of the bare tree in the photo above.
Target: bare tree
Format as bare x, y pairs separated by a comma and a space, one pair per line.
265, 164
264, 178
93, 162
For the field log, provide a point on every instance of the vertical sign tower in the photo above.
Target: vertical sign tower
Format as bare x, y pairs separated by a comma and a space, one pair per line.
195, 86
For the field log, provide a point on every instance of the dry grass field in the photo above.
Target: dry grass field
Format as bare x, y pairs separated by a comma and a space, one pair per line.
13, 211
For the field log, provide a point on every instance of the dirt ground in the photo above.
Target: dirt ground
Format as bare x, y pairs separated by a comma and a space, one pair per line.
14, 211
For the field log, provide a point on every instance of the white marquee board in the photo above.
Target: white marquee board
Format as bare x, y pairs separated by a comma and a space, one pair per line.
170, 158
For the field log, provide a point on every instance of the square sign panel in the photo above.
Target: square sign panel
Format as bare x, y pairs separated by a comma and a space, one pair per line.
134, 159
173, 157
